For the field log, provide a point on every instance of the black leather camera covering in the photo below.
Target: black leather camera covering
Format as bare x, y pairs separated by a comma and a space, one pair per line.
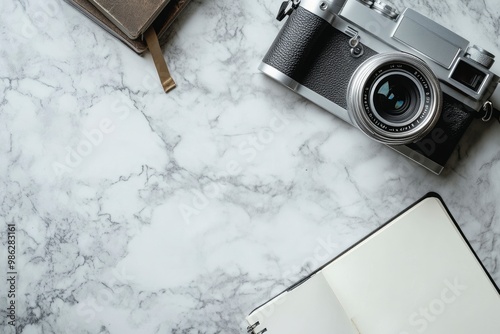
438, 145
310, 51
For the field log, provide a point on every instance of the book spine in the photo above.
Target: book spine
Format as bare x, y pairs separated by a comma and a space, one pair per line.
252, 329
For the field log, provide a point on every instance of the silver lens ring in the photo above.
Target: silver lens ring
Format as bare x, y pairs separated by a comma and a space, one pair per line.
360, 94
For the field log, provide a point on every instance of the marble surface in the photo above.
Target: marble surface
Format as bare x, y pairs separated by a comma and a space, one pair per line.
141, 212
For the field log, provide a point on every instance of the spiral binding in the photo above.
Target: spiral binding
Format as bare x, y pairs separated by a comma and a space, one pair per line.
250, 329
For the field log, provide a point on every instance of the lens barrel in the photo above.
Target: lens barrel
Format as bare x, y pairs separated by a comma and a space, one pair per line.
394, 98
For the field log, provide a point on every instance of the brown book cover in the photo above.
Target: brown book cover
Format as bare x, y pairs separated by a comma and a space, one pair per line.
161, 24
132, 17
140, 24
95, 15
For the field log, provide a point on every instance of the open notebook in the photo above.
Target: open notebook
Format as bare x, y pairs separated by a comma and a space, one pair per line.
415, 274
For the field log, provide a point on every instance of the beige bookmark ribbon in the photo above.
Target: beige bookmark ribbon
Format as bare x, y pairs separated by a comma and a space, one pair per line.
161, 66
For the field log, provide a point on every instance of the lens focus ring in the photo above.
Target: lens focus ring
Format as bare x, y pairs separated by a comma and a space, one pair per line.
394, 98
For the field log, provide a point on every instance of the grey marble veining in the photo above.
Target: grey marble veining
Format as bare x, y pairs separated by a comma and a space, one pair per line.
140, 212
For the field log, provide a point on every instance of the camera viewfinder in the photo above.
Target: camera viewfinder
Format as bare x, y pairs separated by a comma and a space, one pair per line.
468, 76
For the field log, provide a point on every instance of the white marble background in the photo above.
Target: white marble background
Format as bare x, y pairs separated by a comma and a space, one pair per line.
189, 209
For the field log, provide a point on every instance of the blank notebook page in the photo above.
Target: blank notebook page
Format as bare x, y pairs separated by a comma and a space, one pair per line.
416, 275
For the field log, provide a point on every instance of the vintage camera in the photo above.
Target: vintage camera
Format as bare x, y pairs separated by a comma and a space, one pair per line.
401, 78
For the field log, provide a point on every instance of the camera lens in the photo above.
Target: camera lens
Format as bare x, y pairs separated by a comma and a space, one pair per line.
394, 98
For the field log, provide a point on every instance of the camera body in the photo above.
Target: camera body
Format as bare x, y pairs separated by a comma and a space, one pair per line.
401, 78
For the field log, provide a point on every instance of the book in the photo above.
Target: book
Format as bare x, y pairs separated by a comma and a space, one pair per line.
415, 274
130, 16
89, 10
141, 25
161, 24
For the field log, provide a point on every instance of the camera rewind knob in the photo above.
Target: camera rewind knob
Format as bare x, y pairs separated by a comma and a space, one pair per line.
385, 10
480, 56
368, 3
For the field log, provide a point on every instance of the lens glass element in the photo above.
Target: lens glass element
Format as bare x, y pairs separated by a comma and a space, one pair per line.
396, 97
